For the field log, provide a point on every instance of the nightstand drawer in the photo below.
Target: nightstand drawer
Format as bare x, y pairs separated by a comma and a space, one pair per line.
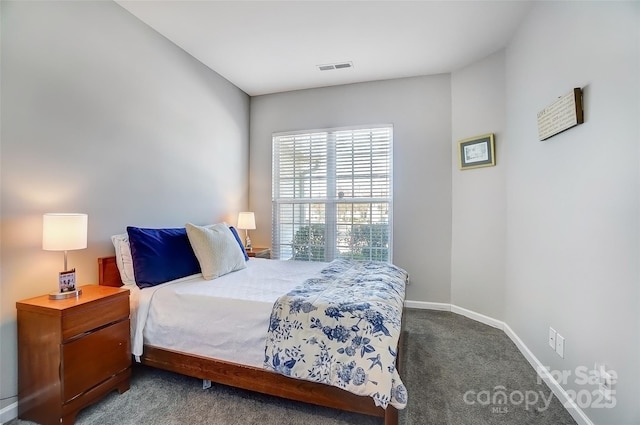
94, 358
89, 316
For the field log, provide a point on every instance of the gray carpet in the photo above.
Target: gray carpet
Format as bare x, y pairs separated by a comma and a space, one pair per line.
450, 359
453, 369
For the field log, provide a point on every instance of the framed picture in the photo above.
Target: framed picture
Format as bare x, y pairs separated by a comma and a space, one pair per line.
67, 281
477, 152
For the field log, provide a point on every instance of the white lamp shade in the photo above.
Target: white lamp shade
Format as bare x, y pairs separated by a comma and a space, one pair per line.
64, 232
246, 221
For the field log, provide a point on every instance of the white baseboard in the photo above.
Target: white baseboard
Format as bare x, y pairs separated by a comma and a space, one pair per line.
478, 317
9, 413
574, 410
427, 306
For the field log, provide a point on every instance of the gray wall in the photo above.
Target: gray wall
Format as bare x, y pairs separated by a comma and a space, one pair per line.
478, 195
573, 209
102, 115
420, 111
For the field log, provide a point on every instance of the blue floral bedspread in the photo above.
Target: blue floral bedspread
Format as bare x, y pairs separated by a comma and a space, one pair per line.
342, 328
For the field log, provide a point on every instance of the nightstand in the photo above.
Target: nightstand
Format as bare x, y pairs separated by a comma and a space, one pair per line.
260, 253
71, 352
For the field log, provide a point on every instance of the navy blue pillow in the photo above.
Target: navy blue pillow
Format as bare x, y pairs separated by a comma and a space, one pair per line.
161, 255
244, 251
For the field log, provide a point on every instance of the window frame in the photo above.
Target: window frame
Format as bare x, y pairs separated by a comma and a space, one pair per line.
332, 200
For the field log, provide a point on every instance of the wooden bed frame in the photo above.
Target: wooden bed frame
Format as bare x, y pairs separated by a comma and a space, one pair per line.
248, 377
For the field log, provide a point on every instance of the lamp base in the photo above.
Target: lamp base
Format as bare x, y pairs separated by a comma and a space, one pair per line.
64, 295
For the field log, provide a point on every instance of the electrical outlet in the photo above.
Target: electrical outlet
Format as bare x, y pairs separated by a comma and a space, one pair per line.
560, 345
552, 338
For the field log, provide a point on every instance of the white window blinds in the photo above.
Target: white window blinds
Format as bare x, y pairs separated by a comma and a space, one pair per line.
332, 194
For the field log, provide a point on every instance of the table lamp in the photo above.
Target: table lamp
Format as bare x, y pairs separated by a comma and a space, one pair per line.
64, 232
247, 221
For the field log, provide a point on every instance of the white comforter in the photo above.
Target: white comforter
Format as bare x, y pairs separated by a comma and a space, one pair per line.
226, 318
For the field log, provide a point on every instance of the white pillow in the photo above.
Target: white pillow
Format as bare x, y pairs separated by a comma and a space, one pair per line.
216, 249
123, 258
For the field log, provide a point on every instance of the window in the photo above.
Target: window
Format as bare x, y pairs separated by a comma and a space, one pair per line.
332, 194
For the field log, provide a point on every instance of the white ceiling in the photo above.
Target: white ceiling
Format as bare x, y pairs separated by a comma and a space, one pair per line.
274, 46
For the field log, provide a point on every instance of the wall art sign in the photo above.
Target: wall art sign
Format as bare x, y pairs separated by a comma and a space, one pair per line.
561, 115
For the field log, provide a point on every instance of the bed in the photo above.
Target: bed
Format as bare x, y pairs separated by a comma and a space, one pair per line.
226, 368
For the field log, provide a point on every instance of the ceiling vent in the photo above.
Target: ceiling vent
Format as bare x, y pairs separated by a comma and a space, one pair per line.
330, 66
